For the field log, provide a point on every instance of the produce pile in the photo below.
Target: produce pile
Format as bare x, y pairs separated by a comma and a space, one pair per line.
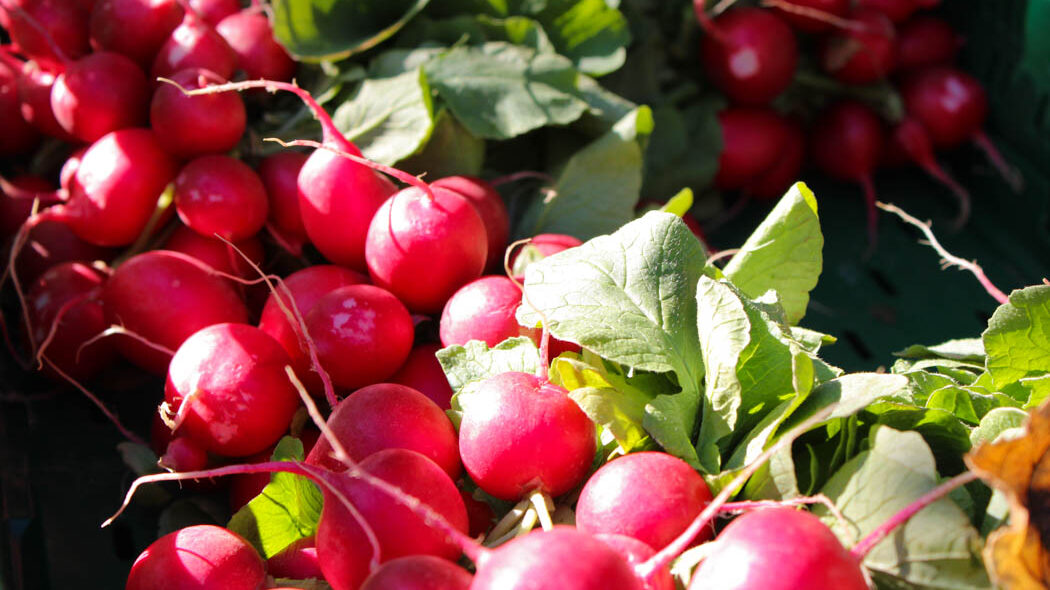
421, 294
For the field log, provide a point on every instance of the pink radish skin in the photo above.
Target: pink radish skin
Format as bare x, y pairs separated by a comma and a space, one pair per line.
297, 561
480, 514
19, 137
220, 196
418, 572
752, 143
863, 55
138, 297
541, 246
184, 454
925, 41
896, 10
280, 173
194, 44
342, 549
52, 243
423, 372
213, 11
197, 125
821, 9
216, 253
521, 433
100, 93
777, 180
231, 379
750, 56
365, 323
135, 28
422, 249
778, 549
250, 35
389, 416
197, 558
34, 92
482, 309
548, 560
307, 287
39, 27
490, 207
650, 496
69, 168
636, 553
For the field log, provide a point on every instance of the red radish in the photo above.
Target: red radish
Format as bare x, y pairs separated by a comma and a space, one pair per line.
750, 55
279, 173
778, 549
650, 496
216, 253
34, 92
846, 143
925, 41
196, 125
47, 31
342, 548
480, 514
539, 247
19, 137
812, 16
16, 201
135, 28
69, 168
752, 142
194, 44
139, 294
217, 195
50, 243
777, 180
910, 140
100, 93
952, 106
863, 54
482, 309
423, 372
521, 433
227, 390
490, 207
418, 572
896, 10
549, 560
637, 552
184, 454
297, 561
250, 35
213, 11
389, 416
361, 322
198, 557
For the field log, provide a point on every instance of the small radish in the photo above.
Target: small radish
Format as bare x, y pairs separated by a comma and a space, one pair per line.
194, 44
418, 572
636, 552
490, 207
213, 11
750, 54
51, 243
864, 54
753, 141
196, 125
198, 557
34, 93
910, 140
139, 294
184, 453
776, 180
19, 137
297, 561
100, 93
896, 10
389, 416
216, 253
279, 173
220, 196
423, 372
47, 31
482, 309
250, 35
135, 28
778, 549
925, 41
812, 16
539, 247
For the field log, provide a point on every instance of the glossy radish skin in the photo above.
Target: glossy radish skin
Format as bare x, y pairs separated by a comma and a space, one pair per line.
815, 22
418, 572
250, 35
135, 28
896, 10
194, 44
184, 454
279, 173
777, 180
365, 323
925, 41
636, 552
778, 549
99, 93
423, 372
342, 547
520, 433
482, 309
69, 168
560, 559
650, 496
34, 92
139, 294
216, 253
752, 143
424, 249
52, 243
751, 56
63, 23
389, 416
861, 56
213, 11
231, 379
196, 125
490, 207
19, 137
297, 561
221, 196
197, 558
949, 103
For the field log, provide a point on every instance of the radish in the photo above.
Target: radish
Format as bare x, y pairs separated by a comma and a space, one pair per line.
198, 557
297, 561
135, 28
490, 206
220, 196
811, 16
69, 168
520, 433
776, 180
423, 372
846, 143
418, 572
213, 11
482, 309
47, 31
952, 106
279, 173
925, 41
863, 54
636, 552
100, 93
138, 297
184, 454
650, 496
16, 200
896, 10
480, 514
196, 125
51, 243
250, 35
216, 253
910, 141
753, 140
34, 94
389, 416
539, 247
19, 137
778, 549
361, 322
194, 44
750, 54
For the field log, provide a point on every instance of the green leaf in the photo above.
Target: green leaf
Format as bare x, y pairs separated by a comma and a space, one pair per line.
946, 435
1018, 336
995, 422
784, 253
500, 91
597, 191
139, 458
850, 393
965, 349
592, 33
619, 408
936, 548
288, 509
1038, 390
966, 404
1036, 54
389, 118
680, 203
395, 62
684, 147
451, 150
475, 29
476, 361
604, 108
327, 30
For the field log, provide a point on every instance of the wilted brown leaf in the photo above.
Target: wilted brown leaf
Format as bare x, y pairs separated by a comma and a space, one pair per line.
1017, 556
